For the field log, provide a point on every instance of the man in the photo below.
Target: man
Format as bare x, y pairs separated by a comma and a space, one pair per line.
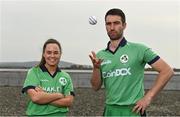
120, 67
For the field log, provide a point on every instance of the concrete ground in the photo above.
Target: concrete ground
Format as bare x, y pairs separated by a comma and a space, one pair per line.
87, 103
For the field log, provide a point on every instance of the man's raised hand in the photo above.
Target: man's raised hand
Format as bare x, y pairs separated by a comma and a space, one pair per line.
95, 61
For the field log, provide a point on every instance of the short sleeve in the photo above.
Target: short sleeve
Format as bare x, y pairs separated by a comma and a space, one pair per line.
31, 80
98, 55
68, 88
150, 56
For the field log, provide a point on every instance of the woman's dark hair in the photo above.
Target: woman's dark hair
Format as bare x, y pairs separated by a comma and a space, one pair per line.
118, 12
49, 41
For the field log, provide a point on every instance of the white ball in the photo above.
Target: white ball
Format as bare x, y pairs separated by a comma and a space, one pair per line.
92, 20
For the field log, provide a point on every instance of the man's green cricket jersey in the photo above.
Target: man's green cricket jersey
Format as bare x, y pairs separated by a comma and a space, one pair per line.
122, 72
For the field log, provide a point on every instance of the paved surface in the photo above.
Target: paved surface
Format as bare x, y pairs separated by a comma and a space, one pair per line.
87, 103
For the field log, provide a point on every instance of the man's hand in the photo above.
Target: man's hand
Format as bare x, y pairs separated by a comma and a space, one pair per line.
95, 61
142, 104
96, 81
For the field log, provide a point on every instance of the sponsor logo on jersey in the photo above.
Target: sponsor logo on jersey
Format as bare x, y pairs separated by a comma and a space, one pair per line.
44, 80
106, 62
52, 89
62, 81
117, 72
124, 58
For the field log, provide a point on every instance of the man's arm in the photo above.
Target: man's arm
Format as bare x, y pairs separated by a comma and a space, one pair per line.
165, 73
38, 96
96, 81
67, 101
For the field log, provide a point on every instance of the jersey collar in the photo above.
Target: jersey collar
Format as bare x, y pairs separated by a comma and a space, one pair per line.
44, 69
121, 44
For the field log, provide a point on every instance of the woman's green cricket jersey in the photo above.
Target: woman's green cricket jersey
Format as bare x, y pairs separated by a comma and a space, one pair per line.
40, 77
122, 72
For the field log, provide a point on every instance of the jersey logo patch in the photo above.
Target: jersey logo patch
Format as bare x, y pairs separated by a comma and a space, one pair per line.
106, 62
62, 81
124, 58
44, 80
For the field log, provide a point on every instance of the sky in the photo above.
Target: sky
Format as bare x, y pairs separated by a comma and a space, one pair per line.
27, 24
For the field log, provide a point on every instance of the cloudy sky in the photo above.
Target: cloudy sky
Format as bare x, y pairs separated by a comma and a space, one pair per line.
27, 24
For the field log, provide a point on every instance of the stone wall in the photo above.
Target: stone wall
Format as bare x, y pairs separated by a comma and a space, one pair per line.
80, 78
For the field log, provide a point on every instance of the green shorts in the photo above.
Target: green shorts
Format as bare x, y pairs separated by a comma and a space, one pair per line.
116, 110
62, 114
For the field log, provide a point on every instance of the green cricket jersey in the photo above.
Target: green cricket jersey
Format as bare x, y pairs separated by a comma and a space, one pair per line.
122, 72
40, 77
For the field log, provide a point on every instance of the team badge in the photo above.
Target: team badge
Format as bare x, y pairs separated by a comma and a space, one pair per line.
124, 58
63, 81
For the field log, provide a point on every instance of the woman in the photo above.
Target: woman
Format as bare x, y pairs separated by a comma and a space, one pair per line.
50, 89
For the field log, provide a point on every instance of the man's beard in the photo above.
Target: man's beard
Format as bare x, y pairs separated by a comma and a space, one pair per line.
116, 37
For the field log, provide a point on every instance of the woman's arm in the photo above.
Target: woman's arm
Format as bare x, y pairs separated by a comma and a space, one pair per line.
38, 96
66, 101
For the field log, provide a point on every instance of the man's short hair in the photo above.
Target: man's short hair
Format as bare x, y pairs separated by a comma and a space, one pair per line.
118, 12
